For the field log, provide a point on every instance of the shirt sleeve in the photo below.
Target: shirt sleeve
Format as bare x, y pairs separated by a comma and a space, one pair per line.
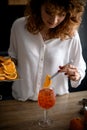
78, 60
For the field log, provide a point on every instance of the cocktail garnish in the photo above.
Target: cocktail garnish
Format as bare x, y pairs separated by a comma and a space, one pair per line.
47, 81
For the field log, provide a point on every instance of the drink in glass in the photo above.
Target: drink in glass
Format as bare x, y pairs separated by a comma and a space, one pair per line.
46, 100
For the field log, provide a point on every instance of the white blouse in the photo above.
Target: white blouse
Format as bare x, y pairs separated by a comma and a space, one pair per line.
37, 58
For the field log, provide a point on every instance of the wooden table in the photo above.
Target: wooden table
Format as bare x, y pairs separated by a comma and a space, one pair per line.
16, 115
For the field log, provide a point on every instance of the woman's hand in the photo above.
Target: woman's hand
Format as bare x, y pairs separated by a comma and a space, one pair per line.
71, 71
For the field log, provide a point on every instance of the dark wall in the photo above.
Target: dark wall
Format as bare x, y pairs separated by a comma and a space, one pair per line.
83, 34
3, 25
7, 15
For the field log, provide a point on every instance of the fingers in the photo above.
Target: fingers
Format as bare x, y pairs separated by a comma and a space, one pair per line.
74, 77
71, 71
66, 68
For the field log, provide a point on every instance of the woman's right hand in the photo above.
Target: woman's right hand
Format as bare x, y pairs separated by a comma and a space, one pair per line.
71, 71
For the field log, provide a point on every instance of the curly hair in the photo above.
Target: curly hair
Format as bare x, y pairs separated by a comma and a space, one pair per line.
74, 10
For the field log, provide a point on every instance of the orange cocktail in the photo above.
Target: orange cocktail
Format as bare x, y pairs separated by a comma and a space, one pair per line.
46, 98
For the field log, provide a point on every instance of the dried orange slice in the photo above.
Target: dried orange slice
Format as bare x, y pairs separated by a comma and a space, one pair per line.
1, 71
11, 76
9, 67
2, 75
2, 78
47, 81
7, 60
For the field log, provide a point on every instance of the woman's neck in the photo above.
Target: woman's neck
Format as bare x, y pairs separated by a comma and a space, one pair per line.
44, 33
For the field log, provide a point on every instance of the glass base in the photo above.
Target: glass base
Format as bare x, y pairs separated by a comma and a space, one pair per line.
46, 123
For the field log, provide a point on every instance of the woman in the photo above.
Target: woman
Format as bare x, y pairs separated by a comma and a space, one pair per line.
44, 41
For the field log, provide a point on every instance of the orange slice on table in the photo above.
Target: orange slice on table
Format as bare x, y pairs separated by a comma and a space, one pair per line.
47, 81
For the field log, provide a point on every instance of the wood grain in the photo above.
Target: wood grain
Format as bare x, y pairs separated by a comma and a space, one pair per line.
16, 115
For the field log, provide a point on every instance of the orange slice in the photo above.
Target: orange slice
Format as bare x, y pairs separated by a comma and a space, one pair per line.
47, 81
2, 78
2, 75
7, 60
11, 76
1, 71
9, 67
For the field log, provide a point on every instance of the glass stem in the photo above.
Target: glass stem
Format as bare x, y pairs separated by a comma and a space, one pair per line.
45, 115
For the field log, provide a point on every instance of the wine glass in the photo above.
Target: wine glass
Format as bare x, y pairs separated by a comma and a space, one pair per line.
46, 100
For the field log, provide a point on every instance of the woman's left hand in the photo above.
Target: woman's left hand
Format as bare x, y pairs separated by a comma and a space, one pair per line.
71, 71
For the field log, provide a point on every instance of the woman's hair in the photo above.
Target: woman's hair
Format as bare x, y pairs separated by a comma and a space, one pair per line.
73, 8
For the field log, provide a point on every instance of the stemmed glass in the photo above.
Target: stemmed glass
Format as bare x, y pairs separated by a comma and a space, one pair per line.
46, 100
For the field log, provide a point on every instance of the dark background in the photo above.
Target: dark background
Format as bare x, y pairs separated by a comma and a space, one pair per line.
8, 13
